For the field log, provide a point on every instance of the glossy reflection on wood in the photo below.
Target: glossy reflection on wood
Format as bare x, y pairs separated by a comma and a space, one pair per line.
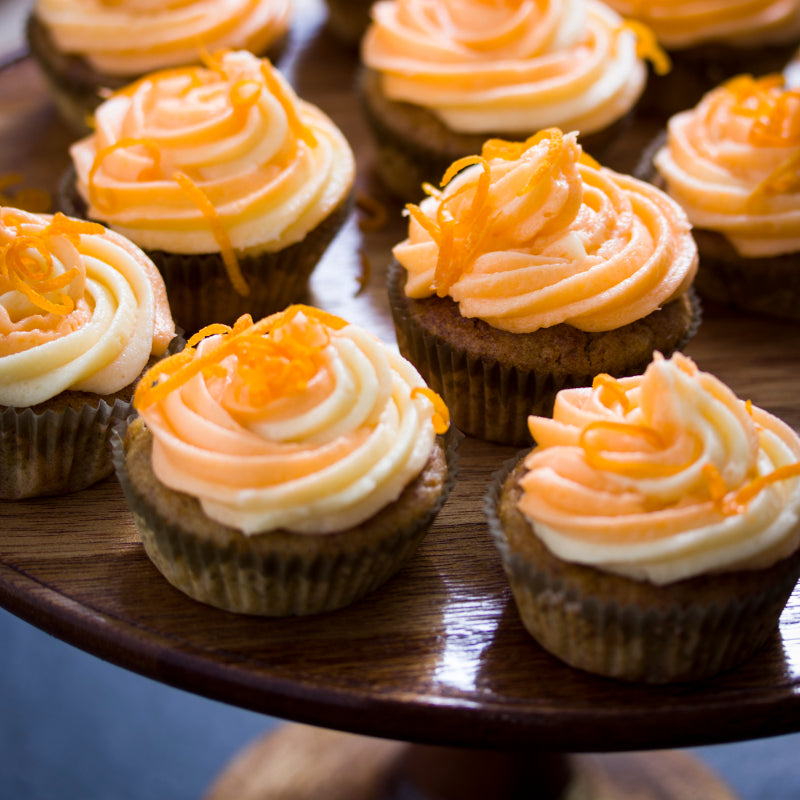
438, 655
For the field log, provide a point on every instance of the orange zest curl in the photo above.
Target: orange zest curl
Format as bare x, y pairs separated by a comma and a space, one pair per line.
263, 377
785, 178
647, 46
716, 486
221, 236
605, 383
273, 84
441, 413
729, 503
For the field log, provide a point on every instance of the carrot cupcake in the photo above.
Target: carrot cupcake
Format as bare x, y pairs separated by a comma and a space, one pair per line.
441, 77
532, 270
732, 163
284, 467
712, 41
652, 534
231, 183
82, 312
88, 47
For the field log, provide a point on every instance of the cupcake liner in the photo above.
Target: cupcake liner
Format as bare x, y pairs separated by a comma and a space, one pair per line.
275, 573
668, 634
489, 398
57, 451
199, 290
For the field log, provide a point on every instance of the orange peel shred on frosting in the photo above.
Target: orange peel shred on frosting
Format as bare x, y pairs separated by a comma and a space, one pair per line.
441, 414
647, 46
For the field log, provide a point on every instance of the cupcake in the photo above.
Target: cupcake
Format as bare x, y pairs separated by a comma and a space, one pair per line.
82, 313
712, 41
533, 270
652, 534
732, 163
440, 78
87, 47
231, 183
285, 467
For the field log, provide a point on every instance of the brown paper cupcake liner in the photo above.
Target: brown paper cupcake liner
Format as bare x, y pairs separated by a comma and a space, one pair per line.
277, 573
489, 395
631, 630
199, 290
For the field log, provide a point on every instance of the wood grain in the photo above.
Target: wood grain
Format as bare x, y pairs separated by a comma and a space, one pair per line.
438, 655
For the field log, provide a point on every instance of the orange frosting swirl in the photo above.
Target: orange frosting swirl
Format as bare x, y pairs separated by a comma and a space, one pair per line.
299, 422
685, 23
132, 37
533, 234
80, 308
205, 159
663, 476
510, 65
733, 162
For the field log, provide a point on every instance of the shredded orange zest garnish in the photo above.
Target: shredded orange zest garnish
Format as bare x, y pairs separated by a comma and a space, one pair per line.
784, 178
716, 486
441, 413
647, 46
608, 383
218, 230
300, 130
366, 271
37, 201
748, 405
244, 95
747, 493
266, 368
152, 172
374, 214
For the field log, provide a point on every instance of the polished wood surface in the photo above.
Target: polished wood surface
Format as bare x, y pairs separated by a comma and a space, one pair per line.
438, 655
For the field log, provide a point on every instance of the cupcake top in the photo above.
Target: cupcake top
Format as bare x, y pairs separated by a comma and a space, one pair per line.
213, 159
733, 163
513, 65
532, 234
299, 422
663, 476
131, 37
686, 23
80, 308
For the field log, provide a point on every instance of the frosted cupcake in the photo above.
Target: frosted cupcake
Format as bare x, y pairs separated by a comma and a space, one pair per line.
732, 163
533, 270
230, 182
441, 77
82, 312
652, 534
88, 47
285, 467
713, 40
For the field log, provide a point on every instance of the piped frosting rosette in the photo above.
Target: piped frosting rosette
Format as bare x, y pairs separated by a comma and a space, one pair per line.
663, 477
81, 310
298, 431
732, 162
686, 23
533, 234
653, 532
132, 37
219, 165
513, 67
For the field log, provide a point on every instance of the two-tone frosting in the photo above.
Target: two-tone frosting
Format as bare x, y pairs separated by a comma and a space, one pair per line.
80, 308
209, 159
733, 163
299, 422
687, 23
132, 37
663, 476
511, 66
532, 234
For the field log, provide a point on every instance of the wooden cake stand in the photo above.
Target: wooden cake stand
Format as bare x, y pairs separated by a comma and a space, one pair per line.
431, 682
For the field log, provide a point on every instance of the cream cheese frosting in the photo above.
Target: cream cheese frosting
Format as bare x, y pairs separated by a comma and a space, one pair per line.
300, 422
132, 37
533, 234
732, 163
204, 159
663, 476
511, 66
686, 23
80, 308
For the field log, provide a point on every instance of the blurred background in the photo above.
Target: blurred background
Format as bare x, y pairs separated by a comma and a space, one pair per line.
73, 726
